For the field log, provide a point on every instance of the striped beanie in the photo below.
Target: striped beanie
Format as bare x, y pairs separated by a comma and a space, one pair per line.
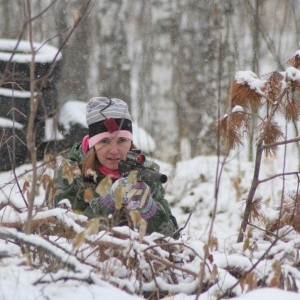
107, 118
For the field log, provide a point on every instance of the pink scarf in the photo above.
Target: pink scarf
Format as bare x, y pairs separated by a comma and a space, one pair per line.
105, 171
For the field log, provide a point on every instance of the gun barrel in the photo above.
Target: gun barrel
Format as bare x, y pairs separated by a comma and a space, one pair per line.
151, 175
144, 174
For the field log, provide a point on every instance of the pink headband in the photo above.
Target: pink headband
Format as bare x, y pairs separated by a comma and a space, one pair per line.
120, 133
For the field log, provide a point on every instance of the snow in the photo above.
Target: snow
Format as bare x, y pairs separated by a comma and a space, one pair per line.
45, 53
9, 123
293, 73
14, 93
237, 108
269, 293
51, 131
72, 111
254, 82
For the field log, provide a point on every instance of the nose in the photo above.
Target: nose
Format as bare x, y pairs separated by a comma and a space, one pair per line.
113, 147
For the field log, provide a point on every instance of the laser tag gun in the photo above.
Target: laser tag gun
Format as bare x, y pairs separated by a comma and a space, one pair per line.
135, 161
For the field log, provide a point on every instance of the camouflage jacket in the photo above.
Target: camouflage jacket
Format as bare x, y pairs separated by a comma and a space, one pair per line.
163, 221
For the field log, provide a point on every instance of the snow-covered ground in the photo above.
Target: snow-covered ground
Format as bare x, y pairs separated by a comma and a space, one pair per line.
191, 190
191, 187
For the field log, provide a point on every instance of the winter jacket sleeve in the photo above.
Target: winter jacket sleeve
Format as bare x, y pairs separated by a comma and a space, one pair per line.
73, 191
163, 221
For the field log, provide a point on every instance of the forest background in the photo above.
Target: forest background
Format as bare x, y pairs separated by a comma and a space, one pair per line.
173, 62
163, 57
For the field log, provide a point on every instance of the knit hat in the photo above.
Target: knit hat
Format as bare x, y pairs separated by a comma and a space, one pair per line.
107, 118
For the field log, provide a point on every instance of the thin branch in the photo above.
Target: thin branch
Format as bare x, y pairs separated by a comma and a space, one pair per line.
170, 265
277, 175
42, 12
255, 180
294, 140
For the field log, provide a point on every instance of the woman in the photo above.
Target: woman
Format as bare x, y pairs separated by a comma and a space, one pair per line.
109, 140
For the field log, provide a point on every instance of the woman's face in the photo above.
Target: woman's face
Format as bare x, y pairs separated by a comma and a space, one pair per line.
110, 151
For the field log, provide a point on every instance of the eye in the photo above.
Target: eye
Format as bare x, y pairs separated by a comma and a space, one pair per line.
123, 140
105, 141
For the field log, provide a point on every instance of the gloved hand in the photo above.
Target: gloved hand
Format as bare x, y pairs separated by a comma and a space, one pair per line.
139, 198
104, 196
134, 196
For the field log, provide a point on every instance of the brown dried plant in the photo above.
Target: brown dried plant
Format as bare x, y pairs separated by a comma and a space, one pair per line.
243, 95
294, 61
276, 280
50, 161
292, 111
229, 128
26, 187
138, 222
273, 85
136, 217
119, 195
88, 195
104, 186
251, 281
69, 171
272, 134
48, 185
255, 209
290, 213
91, 174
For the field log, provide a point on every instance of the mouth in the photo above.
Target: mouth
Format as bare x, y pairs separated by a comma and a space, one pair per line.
114, 159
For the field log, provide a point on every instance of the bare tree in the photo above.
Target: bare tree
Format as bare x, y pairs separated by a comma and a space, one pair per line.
36, 85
